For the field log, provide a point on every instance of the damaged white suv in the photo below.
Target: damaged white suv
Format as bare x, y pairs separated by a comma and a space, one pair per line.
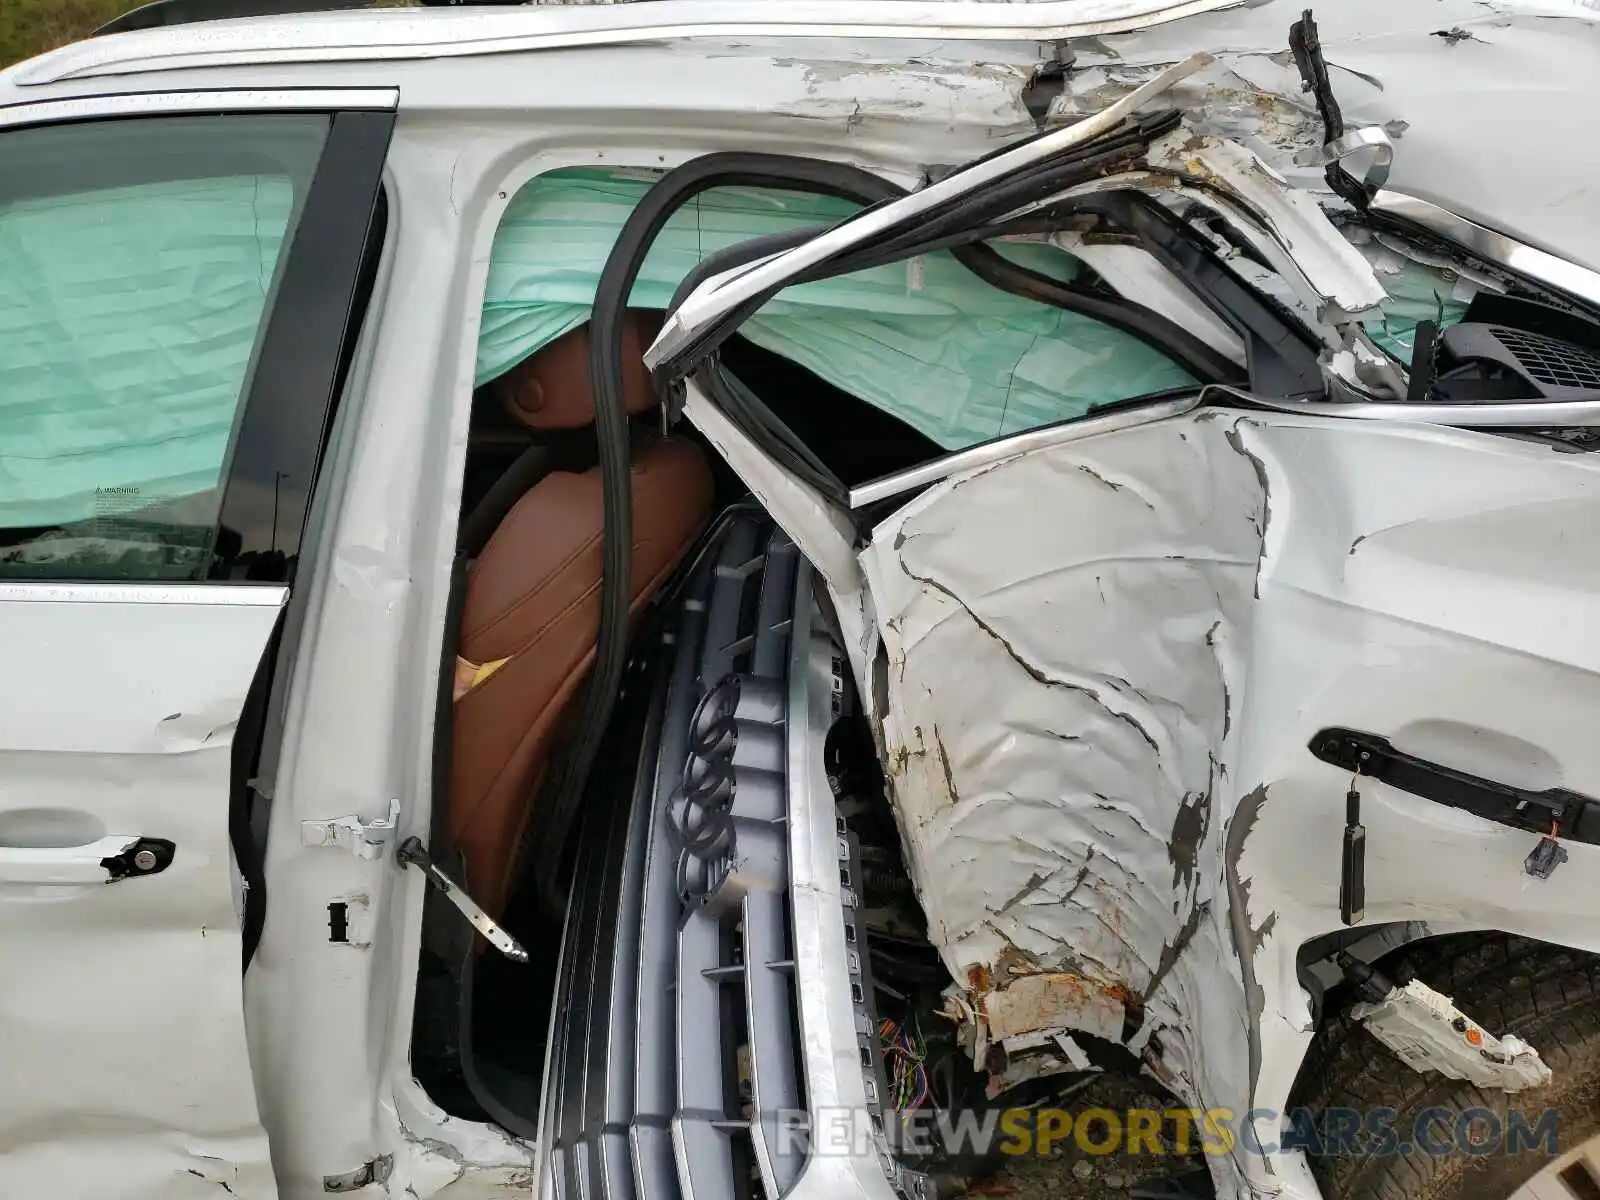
595, 594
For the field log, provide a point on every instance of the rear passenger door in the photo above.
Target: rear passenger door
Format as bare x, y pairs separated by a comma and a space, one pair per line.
181, 277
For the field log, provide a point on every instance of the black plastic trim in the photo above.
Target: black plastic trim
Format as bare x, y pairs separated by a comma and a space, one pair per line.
444, 723
246, 826
1565, 814
1281, 355
532, 465
1306, 47
305, 353
1493, 308
768, 431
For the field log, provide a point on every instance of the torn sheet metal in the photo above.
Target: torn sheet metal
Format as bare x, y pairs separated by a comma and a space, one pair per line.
1065, 803
1033, 1056
1391, 67
1105, 661
1420, 286
715, 297
1329, 281
454, 1158
1301, 242
1027, 1012
884, 93
1037, 1003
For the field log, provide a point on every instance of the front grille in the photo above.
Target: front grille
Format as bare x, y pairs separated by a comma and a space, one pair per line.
675, 1042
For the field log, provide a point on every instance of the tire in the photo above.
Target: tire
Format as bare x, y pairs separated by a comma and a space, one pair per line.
1547, 995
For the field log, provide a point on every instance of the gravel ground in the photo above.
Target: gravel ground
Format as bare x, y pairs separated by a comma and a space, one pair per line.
1070, 1174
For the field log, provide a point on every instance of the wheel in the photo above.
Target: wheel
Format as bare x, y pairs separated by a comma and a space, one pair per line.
1547, 995
1573, 1176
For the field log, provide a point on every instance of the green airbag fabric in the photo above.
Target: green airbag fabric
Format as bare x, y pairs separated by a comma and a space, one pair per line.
1418, 292
927, 341
127, 320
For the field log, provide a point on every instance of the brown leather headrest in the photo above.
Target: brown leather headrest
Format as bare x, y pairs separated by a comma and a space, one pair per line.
551, 389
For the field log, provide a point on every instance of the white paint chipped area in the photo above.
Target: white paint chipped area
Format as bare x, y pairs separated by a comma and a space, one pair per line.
1456, 83
1105, 661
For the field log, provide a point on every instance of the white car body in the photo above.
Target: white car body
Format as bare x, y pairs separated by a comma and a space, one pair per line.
1232, 581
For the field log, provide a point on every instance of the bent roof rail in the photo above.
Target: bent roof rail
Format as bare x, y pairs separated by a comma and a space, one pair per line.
412, 33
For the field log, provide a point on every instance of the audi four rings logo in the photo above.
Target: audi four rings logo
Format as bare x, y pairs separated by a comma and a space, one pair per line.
702, 808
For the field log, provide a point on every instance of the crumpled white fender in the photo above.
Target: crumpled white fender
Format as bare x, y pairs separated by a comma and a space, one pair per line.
1102, 665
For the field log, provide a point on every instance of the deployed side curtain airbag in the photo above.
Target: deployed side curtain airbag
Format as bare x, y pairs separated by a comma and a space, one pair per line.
127, 320
926, 340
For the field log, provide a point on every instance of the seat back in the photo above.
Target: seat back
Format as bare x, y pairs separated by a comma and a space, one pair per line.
532, 609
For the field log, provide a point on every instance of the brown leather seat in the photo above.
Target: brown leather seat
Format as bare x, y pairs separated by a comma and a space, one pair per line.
532, 608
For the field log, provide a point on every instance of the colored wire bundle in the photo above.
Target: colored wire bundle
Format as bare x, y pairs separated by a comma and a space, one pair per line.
905, 1054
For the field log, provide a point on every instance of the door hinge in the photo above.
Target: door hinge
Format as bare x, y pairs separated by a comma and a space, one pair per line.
413, 853
364, 839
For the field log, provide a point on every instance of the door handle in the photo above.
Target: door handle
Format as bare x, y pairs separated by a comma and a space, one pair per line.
1555, 811
104, 861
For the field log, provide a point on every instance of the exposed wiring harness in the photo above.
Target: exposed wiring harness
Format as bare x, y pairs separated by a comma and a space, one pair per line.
905, 1056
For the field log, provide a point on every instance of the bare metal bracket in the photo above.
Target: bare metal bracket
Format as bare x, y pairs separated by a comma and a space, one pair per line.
364, 839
